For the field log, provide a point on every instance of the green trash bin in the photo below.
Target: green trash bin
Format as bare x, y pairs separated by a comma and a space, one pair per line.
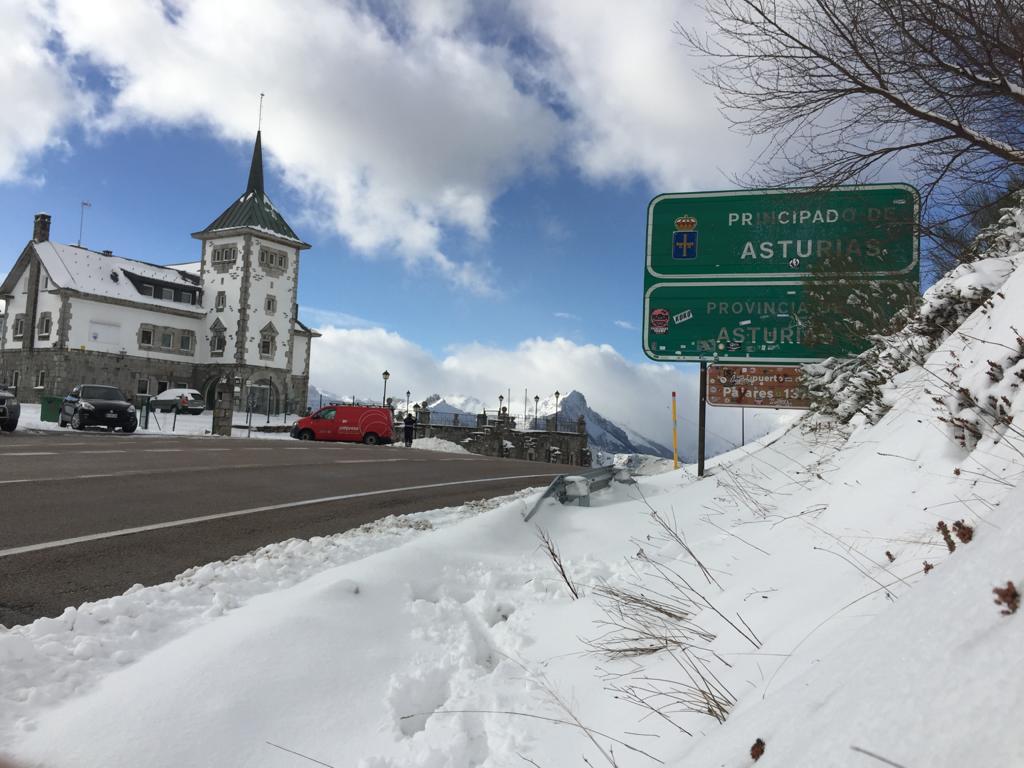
49, 408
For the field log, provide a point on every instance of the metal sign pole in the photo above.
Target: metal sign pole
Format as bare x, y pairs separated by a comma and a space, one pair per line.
675, 441
701, 417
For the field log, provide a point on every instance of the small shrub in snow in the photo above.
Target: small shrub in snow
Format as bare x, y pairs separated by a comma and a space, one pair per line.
963, 531
847, 386
757, 750
944, 530
890, 556
1008, 596
927, 567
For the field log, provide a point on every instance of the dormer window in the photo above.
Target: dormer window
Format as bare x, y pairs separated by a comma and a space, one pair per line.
167, 294
147, 290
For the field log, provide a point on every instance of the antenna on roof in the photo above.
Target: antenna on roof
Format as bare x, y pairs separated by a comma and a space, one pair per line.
259, 122
81, 220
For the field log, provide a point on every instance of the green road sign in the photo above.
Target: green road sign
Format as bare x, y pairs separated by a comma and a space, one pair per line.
783, 234
763, 322
777, 276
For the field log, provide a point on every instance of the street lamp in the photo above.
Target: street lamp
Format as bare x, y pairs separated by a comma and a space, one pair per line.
385, 376
536, 402
557, 395
501, 399
407, 393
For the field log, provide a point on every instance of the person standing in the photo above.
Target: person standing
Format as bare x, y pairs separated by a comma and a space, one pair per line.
410, 428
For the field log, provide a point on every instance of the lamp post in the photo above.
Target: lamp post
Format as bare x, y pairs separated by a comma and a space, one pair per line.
385, 376
536, 402
557, 395
407, 393
501, 400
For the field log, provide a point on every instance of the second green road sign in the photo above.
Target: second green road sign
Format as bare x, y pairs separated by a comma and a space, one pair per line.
725, 271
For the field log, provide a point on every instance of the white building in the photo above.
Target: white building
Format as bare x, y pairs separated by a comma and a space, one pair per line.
78, 316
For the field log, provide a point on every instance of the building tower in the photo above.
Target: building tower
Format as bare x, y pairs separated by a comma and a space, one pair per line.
249, 273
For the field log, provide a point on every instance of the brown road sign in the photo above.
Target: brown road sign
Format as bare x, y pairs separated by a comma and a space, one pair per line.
756, 386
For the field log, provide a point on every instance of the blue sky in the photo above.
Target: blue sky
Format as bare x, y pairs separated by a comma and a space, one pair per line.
473, 176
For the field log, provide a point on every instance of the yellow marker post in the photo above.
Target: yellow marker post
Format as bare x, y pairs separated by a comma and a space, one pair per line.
675, 444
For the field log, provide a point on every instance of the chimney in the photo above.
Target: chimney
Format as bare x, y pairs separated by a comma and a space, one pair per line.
108, 253
41, 228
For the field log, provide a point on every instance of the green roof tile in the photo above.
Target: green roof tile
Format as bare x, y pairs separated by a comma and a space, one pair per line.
254, 209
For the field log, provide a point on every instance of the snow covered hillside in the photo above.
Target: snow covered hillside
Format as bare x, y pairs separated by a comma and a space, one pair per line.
845, 593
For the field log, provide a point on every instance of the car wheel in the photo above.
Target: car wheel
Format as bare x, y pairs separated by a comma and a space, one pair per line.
370, 438
76, 421
129, 429
60, 421
9, 426
307, 434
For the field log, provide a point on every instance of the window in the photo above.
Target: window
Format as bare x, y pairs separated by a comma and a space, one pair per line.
19, 326
167, 294
46, 283
167, 340
40, 379
221, 301
146, 337
266, 345
147, 290
276, 259
142, 387
224, 254
185, 342
161, 386
270, 305
45, 325
217, 344
186, 297
180, 385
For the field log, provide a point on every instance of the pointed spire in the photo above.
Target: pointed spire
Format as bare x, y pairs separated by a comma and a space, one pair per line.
256, 169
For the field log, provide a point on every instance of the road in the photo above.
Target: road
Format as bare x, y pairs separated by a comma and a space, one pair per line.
85, 515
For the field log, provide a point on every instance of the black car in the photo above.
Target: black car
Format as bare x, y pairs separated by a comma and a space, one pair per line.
10, 411
97, 405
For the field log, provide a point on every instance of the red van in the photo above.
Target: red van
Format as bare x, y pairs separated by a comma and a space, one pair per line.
353, 423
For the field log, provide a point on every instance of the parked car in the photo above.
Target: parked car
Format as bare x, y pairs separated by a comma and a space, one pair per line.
10, 410
351, 423
89, 405
169, 398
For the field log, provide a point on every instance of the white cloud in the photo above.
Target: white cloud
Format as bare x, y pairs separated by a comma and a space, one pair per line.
566, 316
315, 317
399, 121
625, 324
638, 108
637, 395
40, 99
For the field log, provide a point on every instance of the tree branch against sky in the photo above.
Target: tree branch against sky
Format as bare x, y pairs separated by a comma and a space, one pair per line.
848, 90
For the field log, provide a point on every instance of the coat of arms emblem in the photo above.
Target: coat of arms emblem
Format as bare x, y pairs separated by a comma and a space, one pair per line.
684, 239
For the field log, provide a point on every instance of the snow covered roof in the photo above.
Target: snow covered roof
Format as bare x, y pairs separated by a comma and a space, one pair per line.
108, 276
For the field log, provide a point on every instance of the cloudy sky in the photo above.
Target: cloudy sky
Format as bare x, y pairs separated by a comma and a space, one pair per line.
473, 176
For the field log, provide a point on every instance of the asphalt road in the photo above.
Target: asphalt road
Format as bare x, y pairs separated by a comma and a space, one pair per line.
71, 504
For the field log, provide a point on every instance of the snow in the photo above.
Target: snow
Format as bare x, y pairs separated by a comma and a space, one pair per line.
793, 606
89, 272
435, 444
164, 425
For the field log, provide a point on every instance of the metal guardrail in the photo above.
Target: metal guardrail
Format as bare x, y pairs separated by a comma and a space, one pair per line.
579, 485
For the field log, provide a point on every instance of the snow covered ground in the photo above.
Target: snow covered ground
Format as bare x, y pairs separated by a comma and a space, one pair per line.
798, 604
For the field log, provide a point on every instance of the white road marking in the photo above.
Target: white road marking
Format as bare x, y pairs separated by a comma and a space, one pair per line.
32, 453
112, 451
162, 450
274, 507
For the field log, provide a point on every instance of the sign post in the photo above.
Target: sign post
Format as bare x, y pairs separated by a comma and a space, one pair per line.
675, 443
762, 277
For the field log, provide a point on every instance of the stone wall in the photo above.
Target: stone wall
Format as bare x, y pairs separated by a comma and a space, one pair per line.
67, 368
497, 438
